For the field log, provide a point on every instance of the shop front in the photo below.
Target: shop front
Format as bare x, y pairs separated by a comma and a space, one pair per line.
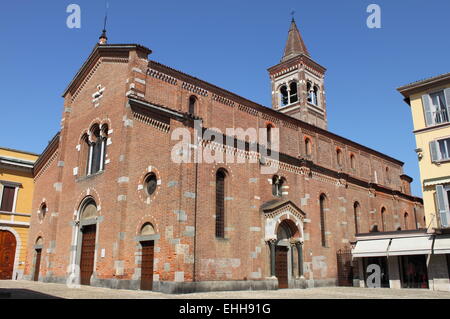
402, 259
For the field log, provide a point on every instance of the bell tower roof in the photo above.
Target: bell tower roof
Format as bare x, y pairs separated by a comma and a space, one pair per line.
294, 45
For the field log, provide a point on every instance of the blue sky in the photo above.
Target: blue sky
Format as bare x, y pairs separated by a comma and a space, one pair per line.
231, 44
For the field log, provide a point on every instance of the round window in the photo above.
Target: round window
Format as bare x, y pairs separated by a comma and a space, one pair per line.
150, 184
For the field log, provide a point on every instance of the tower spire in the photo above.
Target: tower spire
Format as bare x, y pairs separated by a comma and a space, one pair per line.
103, 38
294, 45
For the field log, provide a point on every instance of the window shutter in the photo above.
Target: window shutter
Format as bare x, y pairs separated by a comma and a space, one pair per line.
447, 99
443, 205
8, 199
435, 154
427, 109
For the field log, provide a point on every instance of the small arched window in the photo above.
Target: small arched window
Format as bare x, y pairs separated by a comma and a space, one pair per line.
192, 105
388, 177
383, 219
269, 135
356, 212
352, 161
309, 92
339, 157
42, 211
315, 95
322, 207
293, 94
284, 95
308, 147
405, 220
277, 186
220, 203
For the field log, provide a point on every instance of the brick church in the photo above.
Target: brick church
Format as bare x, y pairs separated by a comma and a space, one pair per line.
112, 208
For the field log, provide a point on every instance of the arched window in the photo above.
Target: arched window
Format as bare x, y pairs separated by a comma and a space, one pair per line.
374, 229
405, 219
97, 149
315, 95
192, 105
356, 211
308, 147
322, 206
352, 161
293, 94
284, 96
220, 203
277, 186
388, 177
383, 219
309, 91
269, 135
42, 211
339, 157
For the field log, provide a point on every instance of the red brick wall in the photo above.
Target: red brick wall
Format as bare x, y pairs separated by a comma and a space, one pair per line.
134, 148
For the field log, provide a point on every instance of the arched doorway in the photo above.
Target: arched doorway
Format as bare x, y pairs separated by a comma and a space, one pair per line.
7, 254
148, 247
88, 229
284, 235
288, 253
37, 258
281, 255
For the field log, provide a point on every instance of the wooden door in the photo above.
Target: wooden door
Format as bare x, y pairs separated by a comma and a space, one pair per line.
281, 266
37, 265
7, 254
147, 265
87, 254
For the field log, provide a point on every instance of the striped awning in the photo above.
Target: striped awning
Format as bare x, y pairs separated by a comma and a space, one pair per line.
411, 246
441, 245
371, 248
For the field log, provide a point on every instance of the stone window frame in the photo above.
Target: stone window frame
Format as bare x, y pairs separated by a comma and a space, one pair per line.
141, 188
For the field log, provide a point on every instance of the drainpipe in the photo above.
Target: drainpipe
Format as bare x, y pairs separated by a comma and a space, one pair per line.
195, 222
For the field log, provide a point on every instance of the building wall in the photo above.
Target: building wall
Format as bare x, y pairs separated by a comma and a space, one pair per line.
182, 210
428, 169
17, 222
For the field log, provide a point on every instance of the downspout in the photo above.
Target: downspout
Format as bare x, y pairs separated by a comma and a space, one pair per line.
195, 222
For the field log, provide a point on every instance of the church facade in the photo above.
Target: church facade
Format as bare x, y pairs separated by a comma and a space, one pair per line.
122, 213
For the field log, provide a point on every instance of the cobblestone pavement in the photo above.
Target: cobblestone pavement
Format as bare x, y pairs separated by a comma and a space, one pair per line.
27, 289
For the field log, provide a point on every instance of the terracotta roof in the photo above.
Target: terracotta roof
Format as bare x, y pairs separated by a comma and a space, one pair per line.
294, 45
18, 151
241, 100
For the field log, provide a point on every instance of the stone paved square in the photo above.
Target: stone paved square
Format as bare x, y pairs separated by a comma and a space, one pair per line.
35, 290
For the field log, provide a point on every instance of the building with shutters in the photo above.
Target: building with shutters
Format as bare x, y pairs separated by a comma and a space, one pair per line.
16, 194
429, 101
124, 212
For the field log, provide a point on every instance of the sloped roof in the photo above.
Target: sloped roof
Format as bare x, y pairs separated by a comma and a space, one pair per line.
295, 45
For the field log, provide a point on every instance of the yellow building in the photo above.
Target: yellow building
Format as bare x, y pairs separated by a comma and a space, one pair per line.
430, 106
16, 195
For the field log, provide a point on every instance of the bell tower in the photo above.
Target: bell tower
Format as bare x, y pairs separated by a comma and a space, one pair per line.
298, 83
